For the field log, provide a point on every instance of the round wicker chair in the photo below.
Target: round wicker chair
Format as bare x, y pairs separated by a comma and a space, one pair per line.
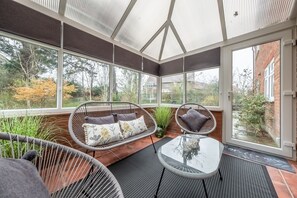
207, 128
66, 172
99, 109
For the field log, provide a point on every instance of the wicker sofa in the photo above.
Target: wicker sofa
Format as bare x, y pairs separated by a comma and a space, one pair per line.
100, 109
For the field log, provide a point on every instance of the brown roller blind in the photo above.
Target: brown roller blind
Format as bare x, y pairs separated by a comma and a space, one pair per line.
150, 67
23, 21
81, 42
126, 58
207, 59
172, 67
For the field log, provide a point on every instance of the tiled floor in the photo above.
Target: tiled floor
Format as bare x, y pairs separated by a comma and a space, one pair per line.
285, 183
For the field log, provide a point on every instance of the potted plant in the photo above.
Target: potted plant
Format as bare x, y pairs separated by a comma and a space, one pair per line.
163, 117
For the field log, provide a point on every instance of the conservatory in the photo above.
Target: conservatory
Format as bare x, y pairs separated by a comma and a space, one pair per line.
234, 58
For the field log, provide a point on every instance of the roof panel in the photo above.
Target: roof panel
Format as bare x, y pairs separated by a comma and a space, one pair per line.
249, 15
102, 15
143, 22
52, 5
171, 47
153, 50
197, 23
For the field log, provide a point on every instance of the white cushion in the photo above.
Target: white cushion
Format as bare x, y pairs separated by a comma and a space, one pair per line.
102, 134
133, 127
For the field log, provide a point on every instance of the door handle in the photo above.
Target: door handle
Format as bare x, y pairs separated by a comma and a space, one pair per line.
230, 95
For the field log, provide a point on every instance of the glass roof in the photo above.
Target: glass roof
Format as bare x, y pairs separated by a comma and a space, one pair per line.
171, 46
52, 5
191, 24
101, 15
153, 50
143, 21
197, 23
245, 16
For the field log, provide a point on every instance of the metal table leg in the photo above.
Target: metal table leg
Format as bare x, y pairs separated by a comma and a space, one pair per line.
221, 178
160, 182
204, 188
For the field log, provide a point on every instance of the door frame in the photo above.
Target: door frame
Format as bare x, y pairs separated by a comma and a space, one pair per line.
286, 87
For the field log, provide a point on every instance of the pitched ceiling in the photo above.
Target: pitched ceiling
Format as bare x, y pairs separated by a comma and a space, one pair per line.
168, 28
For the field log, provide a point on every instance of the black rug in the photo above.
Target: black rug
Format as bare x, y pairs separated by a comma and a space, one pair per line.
139, 175
260, 158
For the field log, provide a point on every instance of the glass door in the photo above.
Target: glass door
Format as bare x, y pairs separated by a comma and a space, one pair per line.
259, 110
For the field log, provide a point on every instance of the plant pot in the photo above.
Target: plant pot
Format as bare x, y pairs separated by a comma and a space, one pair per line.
160, 132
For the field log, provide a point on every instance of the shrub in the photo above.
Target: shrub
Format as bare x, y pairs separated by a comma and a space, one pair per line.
252, 112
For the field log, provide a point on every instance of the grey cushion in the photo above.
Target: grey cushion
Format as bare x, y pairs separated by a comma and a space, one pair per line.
194, 120
19, 178
126, 117
100, 120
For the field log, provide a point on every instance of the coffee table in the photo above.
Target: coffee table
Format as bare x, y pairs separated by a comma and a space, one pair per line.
183, 156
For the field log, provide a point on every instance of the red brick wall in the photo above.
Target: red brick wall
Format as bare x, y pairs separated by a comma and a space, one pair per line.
62, 122
266, 53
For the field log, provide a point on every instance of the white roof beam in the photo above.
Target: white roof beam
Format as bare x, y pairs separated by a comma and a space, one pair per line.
166, 28
62, 7
124, 17
154, 36
222, 19
177, 37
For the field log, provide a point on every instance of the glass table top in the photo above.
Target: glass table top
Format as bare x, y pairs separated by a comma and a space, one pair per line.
192, 156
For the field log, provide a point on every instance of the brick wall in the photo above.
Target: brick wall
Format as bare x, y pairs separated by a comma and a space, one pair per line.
62, 122
265, 54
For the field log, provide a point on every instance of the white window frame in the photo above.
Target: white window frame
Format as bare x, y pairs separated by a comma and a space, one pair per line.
219, 73
269, 81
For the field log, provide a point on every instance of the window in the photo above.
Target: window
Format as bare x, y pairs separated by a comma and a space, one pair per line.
203, 87
269, 82
125, 85
148, 89
28, 75
84, 80
172, 89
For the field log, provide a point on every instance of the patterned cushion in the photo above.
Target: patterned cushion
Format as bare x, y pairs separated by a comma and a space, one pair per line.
100, 120
133, 127
102, 134
194, 119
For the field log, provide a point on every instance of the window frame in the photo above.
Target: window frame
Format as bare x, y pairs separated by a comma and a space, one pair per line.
269, 81
35, 111
183, 89
81, 56
219, 85
140, 92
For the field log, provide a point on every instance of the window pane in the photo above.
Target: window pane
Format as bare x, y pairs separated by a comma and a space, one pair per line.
28, 75
84, 80
172, 87
125, 85
203, 87
148, 89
